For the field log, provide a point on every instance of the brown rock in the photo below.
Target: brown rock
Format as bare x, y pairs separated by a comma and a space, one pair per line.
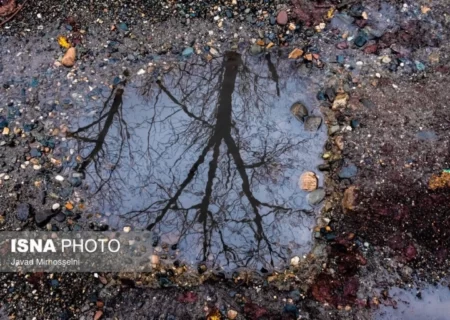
340, 101
282, 18
308, 181
371, 49
339, 140
296, 53
69, 58
349, 200
439, 182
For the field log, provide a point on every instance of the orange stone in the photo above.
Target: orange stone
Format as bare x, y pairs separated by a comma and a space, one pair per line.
308, 181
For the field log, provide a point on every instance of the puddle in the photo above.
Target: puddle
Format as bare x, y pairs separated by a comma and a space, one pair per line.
432, 303
208, 157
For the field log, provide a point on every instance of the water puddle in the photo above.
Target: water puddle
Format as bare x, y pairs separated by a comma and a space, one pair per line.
208, 156
432, 303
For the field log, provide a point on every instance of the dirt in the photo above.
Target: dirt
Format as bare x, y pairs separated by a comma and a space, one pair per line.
383, 224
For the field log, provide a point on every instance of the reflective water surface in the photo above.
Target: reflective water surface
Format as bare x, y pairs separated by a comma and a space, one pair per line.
207, 156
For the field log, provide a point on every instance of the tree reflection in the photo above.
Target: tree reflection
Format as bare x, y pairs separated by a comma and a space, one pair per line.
203, 163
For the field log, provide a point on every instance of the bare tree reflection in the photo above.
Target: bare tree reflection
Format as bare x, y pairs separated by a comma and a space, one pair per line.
207, 164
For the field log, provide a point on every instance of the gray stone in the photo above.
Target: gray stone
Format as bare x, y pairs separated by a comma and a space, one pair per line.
23, 211
313, 123
348, 171
316, 197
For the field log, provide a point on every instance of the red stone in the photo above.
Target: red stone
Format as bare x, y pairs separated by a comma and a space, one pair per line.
371, 49
282, 18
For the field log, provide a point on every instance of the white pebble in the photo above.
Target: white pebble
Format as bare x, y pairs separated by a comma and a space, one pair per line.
55, 206
59, 178
126, 229
37, 167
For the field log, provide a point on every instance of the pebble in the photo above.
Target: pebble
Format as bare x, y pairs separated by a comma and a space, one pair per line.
316, 196
299, 111
348, 171
340, 101
308, 181
37, 167
187, 52
126, 229
23, 211
282, 18
313, 123
295, 261
69, 58
59, 178
56, 206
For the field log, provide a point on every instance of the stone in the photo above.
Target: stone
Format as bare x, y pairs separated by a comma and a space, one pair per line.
324, 167
56, 206
340, 101
295, 261
59, 178
333, 129
232, 314
69, 58
295, 54
308, 181
316, 197
348, 171
282, 18
43, 217
299, 111
23, 211
330, 94
255, 49
339, 141
349, 199
187, 52
313, 123
60, 217
155, 259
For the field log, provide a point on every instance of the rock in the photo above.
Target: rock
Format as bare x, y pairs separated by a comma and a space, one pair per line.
349, 199
330, 94
155, 259
348, 171
282, 18
324, 167
23, 211
232, 314
187, 52
123, 26
427, 135
361, 39
299, 111
43, 217
308, 181
333, 129
313, 123
255, 50
56, 206
60, 217
340, 101
69, 58
295, 54
295, 261
59, 178
339, 141
316, 197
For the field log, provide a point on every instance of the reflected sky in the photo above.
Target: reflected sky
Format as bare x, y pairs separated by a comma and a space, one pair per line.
208, 157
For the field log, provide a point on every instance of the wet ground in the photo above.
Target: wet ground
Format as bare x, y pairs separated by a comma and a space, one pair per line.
176, 117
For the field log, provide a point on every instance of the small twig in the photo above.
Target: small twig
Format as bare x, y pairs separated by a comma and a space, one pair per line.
20, 7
